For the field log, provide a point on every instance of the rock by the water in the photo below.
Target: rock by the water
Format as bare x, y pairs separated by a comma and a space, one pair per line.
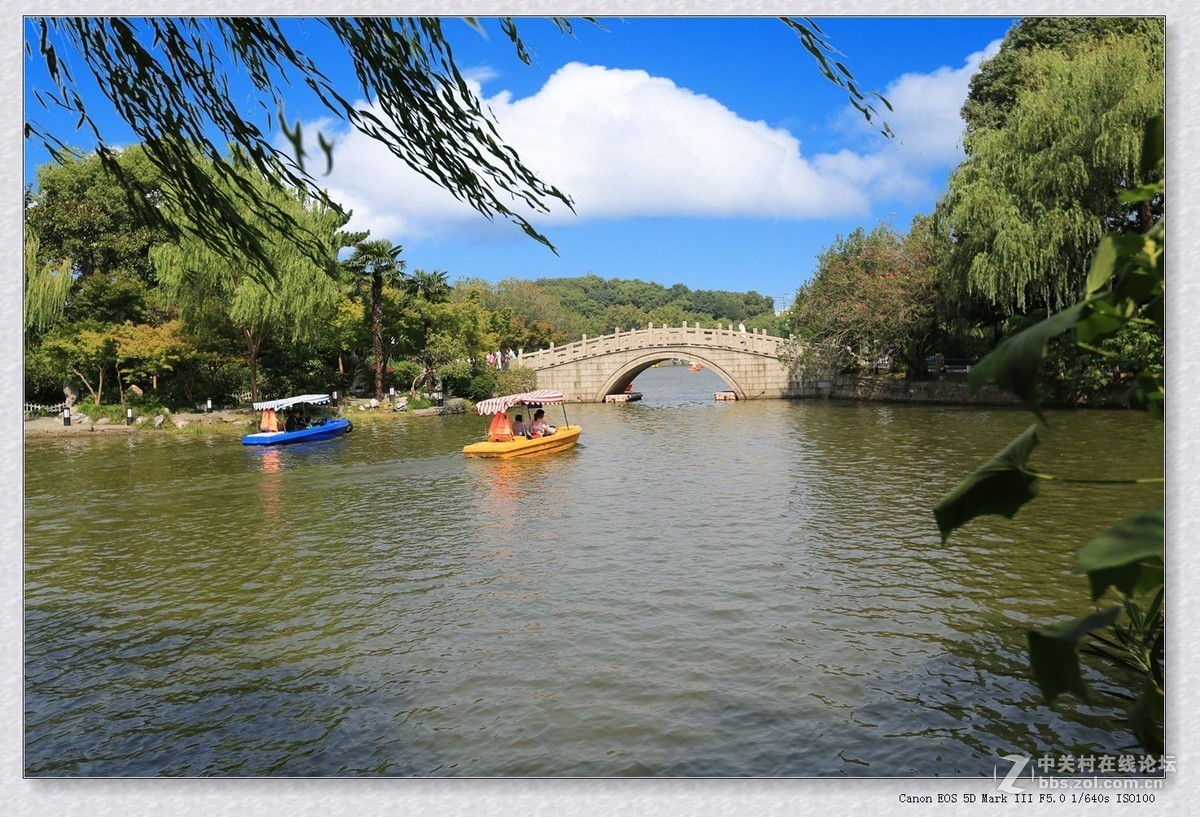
159, 420
103, 421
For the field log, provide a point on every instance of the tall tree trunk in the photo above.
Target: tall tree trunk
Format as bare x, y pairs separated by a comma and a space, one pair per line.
377, 331
1145, 217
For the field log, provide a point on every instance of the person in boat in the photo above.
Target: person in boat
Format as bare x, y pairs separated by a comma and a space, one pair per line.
500, 430
540, 428
519, 427
291, 424
269, 422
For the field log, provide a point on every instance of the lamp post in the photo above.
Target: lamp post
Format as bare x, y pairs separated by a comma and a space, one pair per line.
66, 415
128, 416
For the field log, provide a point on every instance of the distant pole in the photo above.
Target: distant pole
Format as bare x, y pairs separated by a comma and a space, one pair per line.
128, 416
208, 406
392, 396
66, 415
334, 397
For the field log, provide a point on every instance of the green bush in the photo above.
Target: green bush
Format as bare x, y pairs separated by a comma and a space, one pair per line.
513, 380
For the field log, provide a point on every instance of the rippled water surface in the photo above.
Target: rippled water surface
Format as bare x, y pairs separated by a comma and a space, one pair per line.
698, 588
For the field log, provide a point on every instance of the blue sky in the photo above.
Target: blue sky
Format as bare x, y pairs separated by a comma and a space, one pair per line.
706, 151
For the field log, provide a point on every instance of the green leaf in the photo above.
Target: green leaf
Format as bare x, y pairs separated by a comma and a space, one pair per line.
1054, 653
1015, 364
1104, 264
1001, 486
1148, 392
1125, 555
1144, 192
1146, 718
1102, 320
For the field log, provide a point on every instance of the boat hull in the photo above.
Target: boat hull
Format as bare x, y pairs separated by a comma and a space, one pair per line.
328, 430
564, 438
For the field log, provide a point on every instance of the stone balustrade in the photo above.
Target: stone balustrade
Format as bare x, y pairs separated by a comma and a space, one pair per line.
753, 341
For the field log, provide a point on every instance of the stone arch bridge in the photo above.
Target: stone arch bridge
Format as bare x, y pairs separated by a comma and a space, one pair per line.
591, 368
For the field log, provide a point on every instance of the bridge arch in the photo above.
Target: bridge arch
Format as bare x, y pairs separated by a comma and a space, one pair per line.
628, 371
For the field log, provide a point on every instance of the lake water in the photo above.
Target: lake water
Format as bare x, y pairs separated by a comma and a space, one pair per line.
699, 588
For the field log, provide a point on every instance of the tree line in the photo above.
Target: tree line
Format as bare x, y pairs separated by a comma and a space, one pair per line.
1053, 138
115, 300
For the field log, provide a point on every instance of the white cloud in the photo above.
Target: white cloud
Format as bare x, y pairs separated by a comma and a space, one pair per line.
927, 121
623, 143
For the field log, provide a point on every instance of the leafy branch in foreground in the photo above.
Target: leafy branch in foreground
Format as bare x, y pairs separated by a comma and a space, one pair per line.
170, 79
173, 81
1125, 285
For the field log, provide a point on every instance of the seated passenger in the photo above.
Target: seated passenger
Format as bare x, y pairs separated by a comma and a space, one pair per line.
520, 428
540, 428
292, 424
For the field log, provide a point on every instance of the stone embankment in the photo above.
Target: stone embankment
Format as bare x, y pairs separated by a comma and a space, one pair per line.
951, 390
899, 390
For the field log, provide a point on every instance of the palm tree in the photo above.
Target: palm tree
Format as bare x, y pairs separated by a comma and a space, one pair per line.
380, 260
431, 286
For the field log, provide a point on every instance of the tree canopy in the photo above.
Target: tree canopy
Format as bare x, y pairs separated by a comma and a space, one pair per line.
1054, 134
296, 297
872, 292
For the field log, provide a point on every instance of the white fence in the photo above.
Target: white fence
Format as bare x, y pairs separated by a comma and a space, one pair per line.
37, 409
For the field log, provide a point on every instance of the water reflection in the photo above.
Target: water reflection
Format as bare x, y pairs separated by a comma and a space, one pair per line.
697, 588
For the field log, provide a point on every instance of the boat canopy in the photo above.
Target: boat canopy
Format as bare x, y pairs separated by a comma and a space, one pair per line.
498, 405
291, 401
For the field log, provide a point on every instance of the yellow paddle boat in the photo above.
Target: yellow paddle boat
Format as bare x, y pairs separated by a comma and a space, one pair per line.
503, 441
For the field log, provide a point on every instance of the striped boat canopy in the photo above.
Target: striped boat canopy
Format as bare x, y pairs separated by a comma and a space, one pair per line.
541, 397
291, 401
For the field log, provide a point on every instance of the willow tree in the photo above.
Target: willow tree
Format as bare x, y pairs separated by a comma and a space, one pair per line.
47, 285
291, 294
189, 86
1054, 134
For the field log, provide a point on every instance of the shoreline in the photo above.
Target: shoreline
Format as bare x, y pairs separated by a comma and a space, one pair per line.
223, 421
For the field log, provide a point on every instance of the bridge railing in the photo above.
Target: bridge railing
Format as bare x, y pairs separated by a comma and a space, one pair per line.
754, 341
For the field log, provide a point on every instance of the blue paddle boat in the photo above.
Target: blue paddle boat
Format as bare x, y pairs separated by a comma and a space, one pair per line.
273, 431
